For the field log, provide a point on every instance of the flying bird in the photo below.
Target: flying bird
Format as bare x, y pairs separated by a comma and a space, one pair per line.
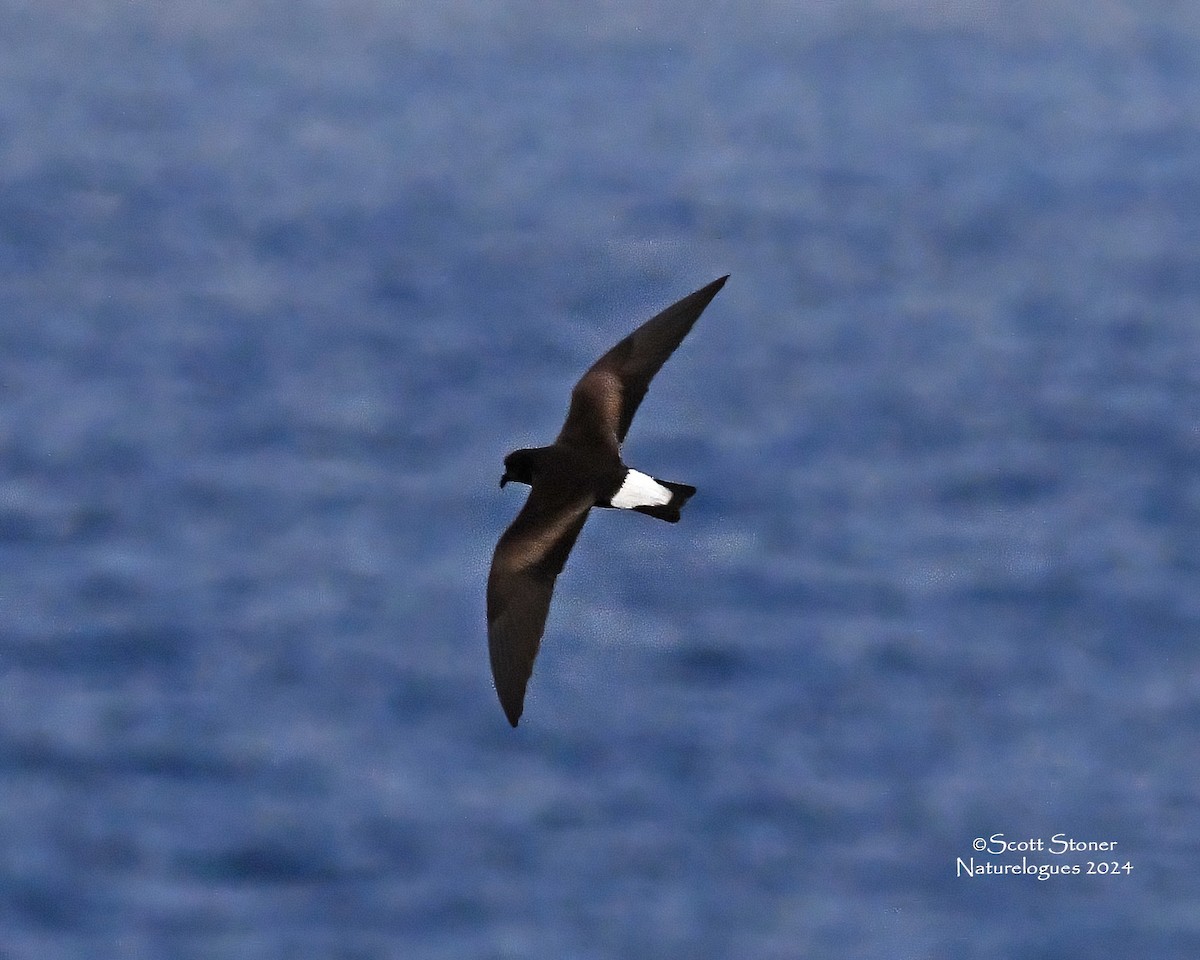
581, 469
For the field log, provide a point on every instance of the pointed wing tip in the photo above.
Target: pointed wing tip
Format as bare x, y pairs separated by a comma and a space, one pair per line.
512, 713
710, 290
512, 700
511, 694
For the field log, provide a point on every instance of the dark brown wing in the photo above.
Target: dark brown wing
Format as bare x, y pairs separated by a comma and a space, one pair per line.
528, 559
606, 398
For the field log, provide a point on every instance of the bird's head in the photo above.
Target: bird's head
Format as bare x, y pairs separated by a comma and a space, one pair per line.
519, 467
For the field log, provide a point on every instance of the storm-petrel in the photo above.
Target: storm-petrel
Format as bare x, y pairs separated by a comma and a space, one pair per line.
580, 470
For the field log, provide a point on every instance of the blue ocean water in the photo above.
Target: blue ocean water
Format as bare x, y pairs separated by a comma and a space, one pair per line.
280, 285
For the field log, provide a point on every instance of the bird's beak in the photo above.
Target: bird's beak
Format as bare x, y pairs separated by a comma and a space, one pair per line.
503, 481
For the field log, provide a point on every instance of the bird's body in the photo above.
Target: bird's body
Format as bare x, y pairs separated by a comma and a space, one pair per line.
580, 470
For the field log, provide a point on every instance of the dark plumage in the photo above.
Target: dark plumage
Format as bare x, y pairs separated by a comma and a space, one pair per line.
580, 470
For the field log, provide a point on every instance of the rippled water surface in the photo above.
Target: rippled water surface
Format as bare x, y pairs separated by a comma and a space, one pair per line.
280, 285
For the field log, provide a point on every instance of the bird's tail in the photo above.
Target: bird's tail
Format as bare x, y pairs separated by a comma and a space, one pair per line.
669, 511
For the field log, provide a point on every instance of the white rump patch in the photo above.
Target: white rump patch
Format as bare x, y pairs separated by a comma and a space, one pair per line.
639, 490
